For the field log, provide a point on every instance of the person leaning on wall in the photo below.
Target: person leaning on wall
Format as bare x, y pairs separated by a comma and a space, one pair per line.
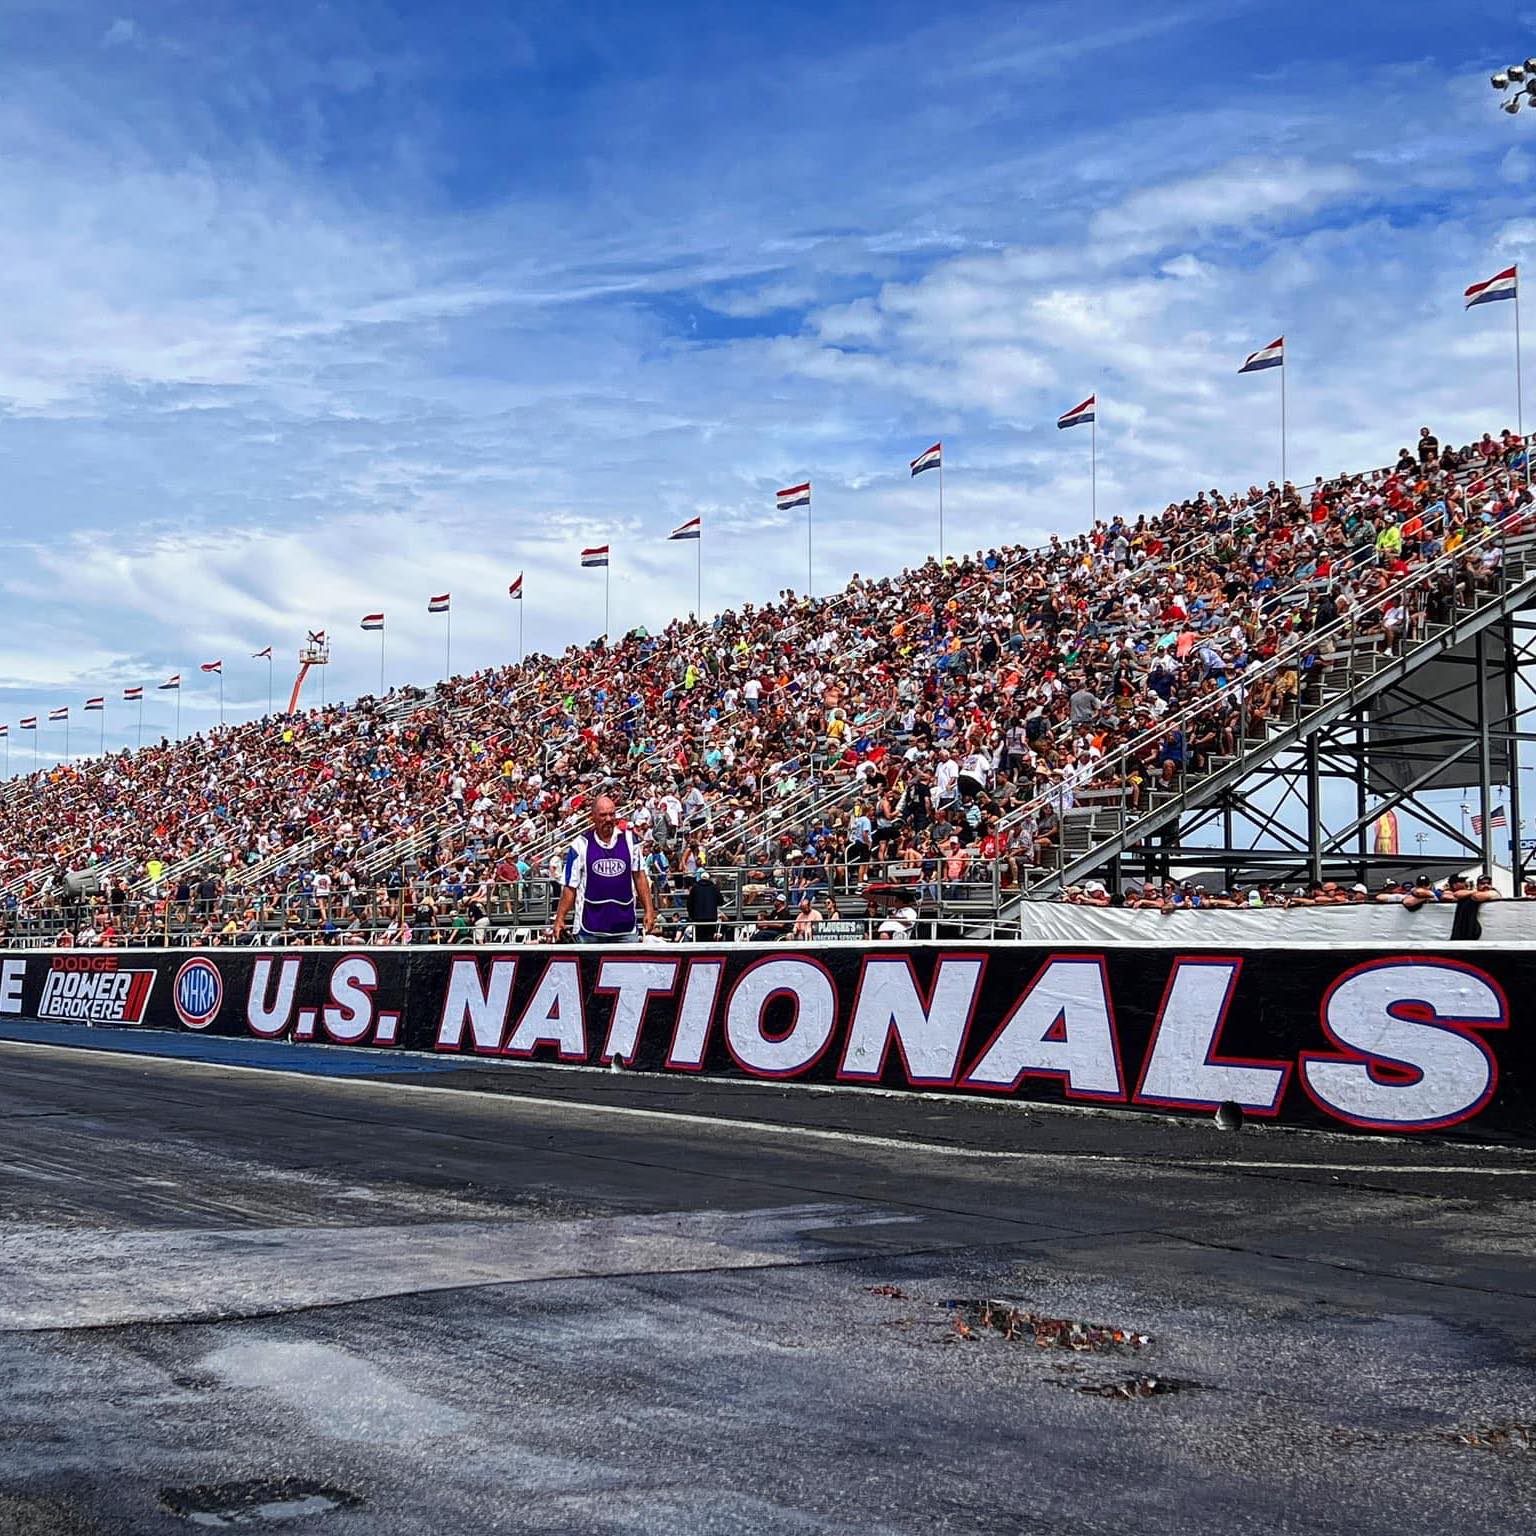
1468, 899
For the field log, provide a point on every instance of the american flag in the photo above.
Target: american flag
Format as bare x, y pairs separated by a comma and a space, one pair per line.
1497, 822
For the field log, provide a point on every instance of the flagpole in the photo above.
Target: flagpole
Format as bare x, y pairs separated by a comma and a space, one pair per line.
607, 618
221, 697
941, 505
269, 681
178, 711
809, 578
101, 745
698, 577
1093, 461
1519, 390
1282, 421
520, 630
381, 661
66, 739
448, 643
141, 720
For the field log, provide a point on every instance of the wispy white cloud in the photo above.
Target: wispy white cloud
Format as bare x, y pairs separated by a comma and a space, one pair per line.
292, 334
1248, 195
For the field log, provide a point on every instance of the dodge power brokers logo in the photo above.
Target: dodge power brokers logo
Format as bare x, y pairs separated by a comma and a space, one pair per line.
96, 989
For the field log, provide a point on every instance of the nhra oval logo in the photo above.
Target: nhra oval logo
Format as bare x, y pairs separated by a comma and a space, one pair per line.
609, 869
198, 992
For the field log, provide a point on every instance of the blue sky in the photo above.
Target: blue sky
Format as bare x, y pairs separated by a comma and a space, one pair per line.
313, 310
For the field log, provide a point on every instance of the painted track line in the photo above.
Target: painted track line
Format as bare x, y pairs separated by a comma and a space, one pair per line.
814, 1133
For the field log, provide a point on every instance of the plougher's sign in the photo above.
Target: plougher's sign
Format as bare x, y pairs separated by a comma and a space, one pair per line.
1361, 1040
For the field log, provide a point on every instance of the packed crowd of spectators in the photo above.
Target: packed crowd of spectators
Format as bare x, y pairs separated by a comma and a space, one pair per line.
1188, 895
914, 732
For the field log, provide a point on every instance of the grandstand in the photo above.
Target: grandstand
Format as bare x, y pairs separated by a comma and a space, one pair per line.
946, 743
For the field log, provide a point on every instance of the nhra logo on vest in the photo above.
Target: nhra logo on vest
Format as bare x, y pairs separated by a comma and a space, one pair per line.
608, 869
94, 989
197, 993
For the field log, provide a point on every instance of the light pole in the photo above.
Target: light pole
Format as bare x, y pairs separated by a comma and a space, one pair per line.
1519, 80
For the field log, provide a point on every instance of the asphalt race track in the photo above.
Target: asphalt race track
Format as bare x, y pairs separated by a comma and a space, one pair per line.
319, 1302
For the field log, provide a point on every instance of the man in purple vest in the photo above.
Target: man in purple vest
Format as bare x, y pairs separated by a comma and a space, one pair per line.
603, 881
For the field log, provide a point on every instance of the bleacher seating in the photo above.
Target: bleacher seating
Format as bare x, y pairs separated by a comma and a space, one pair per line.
945, 739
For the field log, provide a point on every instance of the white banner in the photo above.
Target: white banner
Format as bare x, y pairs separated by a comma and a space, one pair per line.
1504, 922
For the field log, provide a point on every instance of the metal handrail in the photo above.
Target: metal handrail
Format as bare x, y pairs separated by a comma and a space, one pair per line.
1315, 640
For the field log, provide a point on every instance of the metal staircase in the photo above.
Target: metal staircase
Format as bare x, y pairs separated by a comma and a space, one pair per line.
1099, 824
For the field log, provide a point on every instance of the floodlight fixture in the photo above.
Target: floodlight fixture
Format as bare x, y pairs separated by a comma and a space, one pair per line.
1500, 81
1530, 66
1516, 71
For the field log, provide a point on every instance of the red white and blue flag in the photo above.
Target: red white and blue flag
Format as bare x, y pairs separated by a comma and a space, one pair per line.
795, 496
438, 604
1272, 356
592, 558
133, 693
264, 654
96, 703
1504, 285
28, 722
515, 588
372, 621
932, 458
1497, 822
5, 730
692, 529
171, 682
213, 666
1079, 415
59, 714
